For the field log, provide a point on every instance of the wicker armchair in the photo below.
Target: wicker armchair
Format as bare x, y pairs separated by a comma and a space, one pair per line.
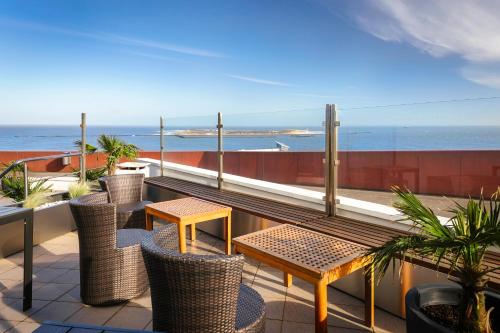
126, 192
111, 265
198, 293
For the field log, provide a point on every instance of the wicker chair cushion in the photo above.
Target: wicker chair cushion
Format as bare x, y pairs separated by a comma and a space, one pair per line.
129, 237
251, 314
131, 206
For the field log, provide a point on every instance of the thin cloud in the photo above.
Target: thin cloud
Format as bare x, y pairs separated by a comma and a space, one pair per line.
153, 56
316, 95
260, 81
468, 29
111, 38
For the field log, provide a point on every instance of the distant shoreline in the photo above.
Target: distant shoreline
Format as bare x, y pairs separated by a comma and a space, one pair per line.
204, 133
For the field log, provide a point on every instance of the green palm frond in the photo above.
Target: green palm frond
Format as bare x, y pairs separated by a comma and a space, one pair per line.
89, 149
116, 149
461, 242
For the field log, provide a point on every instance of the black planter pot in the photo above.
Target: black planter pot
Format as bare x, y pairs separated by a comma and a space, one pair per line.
433, 294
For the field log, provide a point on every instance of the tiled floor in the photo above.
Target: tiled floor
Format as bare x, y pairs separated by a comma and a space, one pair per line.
56, 295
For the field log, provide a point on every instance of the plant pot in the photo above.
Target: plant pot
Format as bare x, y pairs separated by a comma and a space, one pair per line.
434, 294
48, 222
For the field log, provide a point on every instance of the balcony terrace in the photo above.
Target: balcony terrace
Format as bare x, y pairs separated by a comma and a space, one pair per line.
56, 295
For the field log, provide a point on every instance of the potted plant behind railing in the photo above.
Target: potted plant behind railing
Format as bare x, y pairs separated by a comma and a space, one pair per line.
116, 149
461, 243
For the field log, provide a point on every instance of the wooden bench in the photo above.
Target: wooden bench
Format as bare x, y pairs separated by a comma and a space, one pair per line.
360, 232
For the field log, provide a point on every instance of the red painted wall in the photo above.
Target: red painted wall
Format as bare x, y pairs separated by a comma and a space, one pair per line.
452, 173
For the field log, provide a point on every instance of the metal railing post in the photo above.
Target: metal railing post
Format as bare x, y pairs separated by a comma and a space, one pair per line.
328, 157
335, 157
161, 146
220, 151
331, 159
83, 161
26, 182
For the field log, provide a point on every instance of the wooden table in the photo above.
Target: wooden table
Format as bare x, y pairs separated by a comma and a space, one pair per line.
311, 256
189, 211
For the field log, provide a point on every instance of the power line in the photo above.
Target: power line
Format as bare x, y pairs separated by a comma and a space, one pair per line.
320, 108
423, 103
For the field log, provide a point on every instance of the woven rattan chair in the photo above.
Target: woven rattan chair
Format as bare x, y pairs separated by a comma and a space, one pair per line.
111, 265
126, 192
198, 293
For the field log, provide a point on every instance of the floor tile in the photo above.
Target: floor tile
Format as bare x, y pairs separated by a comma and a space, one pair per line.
24, 327
94, 315
142, 301
71, 261
52, 291
149, 327
131, 317
58, 311
15, 274
48, 274
269, 289
385, 322
14, 310
70, 276
293, 327
275, 308
5, 325
72, 296
273, 326
6, 265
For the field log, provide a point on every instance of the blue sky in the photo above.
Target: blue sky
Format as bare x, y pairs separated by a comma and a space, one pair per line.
128, 62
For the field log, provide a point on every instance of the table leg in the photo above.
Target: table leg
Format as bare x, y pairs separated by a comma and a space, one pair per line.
181, 230
287, 279
370, 298
149, 222
227, 223
321, 306
405, 285
28, 263
193, 232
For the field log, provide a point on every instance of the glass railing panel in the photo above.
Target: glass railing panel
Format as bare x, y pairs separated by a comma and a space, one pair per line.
282, 147
442, 151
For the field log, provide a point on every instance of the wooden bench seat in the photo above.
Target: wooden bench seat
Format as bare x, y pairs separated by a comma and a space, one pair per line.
352, 230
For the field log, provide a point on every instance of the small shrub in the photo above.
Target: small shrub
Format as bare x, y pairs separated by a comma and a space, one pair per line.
35, 199
78, 189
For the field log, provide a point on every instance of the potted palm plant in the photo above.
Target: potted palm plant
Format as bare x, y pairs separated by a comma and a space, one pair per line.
462, 243
116, 149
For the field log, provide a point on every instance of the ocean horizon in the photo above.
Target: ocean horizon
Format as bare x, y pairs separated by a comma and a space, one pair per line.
357, 138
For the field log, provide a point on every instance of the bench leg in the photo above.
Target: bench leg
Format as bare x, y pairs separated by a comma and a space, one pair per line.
287, 279
370, 298
321, 306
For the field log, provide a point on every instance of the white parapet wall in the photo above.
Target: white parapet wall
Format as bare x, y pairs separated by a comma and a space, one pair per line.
348, 207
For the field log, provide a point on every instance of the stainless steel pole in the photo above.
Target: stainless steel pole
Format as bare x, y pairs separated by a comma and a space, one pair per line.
26, 182
335, 158
328, 157
331, 159
161, 146
220, 151
83, 149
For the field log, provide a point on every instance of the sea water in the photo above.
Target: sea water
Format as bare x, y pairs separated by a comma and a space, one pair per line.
62, 138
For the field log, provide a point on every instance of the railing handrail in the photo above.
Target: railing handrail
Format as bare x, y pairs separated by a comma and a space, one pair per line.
33, 159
